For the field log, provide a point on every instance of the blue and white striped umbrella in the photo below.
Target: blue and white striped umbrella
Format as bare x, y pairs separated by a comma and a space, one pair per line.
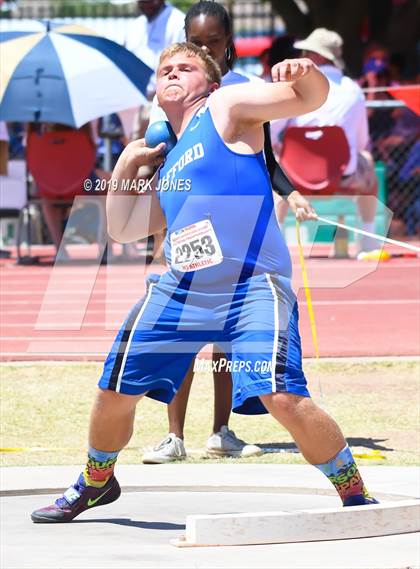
67, 74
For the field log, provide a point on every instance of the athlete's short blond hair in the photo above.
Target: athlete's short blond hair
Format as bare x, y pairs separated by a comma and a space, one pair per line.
211, 67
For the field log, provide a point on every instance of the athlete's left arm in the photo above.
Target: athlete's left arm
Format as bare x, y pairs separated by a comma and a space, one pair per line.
299, 87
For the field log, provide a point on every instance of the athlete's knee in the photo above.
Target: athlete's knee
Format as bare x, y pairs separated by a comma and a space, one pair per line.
114, 401
285, 407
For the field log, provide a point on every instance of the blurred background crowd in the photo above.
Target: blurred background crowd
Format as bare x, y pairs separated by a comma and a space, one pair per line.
380, 51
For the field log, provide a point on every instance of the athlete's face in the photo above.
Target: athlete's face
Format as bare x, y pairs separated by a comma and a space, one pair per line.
207, 32
181, 78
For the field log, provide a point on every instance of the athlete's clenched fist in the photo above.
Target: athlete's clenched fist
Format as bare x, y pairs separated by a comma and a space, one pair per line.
292, 69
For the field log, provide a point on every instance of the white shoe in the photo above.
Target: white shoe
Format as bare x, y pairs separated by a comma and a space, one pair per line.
226, 443
170, 449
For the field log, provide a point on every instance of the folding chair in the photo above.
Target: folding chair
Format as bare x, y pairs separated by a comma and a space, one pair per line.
315, 158
60, 161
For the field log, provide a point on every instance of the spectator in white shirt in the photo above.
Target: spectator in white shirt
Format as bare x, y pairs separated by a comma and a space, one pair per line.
344, 107
160, 24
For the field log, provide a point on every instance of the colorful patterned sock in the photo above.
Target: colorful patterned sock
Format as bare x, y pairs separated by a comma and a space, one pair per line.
342, 471
99, 467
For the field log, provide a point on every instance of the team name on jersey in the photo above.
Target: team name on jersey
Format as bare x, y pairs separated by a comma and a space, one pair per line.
196, 152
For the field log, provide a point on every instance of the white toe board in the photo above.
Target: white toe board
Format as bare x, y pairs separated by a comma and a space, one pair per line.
302, 525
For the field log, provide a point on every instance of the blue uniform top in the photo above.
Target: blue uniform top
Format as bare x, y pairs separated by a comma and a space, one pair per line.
203, 180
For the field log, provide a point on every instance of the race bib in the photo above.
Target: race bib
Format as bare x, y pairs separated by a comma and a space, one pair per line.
195, 247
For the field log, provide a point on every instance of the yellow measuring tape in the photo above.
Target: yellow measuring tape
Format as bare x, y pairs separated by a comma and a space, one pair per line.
307, 291
374, 454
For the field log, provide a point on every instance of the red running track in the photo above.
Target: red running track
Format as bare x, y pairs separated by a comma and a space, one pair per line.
72, 312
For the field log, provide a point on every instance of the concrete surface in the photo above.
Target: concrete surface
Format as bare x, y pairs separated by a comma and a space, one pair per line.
135, 531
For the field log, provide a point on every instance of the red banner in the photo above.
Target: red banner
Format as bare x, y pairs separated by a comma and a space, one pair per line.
409, 94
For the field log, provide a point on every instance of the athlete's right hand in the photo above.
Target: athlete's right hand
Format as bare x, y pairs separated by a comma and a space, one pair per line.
141, 155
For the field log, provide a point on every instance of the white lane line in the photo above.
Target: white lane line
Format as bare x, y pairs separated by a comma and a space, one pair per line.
128, 303
105, 338
63, 326
132, 272
71, 302
107, 310
89, 279
72, 292
64, 312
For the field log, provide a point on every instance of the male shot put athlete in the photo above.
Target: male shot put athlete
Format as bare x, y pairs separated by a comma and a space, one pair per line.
229, 280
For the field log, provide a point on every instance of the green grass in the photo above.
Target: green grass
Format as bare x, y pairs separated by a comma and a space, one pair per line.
48, 405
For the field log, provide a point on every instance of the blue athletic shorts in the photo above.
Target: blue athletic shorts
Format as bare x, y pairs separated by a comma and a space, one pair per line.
255, 325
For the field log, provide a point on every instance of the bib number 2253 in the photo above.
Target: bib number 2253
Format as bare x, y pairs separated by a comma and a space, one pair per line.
195, 247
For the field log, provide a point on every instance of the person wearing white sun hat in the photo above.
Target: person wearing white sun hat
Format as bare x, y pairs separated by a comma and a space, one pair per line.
344, 107
325, 42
